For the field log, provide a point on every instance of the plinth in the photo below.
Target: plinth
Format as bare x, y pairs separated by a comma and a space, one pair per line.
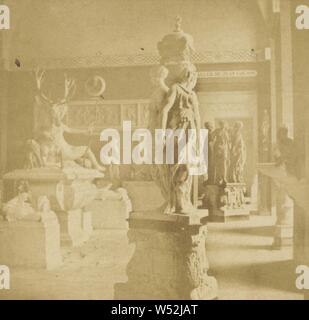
170, 259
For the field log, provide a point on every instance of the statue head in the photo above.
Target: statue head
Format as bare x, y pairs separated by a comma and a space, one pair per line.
188, 75
59, 111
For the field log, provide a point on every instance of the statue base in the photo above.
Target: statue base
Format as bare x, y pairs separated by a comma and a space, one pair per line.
30, 243
170, 259
226, 204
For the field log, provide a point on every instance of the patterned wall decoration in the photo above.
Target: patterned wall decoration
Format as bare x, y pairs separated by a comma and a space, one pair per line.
107, 113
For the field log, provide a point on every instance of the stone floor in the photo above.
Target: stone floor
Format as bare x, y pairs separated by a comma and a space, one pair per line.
240, 256
243, 261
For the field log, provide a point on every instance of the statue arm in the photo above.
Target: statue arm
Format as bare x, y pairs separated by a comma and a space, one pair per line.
167, 107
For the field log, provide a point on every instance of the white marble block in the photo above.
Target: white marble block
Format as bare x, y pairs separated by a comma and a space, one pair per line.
34, 244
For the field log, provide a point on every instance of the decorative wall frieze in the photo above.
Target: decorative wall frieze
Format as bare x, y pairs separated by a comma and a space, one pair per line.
118, 60
108, 113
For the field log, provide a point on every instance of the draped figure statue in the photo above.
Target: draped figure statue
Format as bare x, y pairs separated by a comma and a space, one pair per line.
238, 154
180, 111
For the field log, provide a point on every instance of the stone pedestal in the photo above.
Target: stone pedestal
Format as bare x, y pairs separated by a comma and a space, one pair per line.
30, 243
226, 204
170, 259
69, 192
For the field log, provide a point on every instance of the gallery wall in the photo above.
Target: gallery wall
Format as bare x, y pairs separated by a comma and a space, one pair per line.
70, 28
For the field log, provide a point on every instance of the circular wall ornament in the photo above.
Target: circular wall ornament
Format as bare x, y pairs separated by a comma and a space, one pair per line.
95, 86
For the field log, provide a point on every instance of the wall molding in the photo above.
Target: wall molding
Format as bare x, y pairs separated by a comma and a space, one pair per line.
208, 57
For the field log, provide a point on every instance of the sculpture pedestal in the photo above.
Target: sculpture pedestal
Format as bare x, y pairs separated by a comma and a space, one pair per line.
69, 191
30, 243
226, 204
170, 259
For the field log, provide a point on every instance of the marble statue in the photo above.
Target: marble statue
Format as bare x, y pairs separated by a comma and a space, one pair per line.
237, 154
168, 238
160, 173
56, 130
181, 112
174, 105
20, 207
221, 149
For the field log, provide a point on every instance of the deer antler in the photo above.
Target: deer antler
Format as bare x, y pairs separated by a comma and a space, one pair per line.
69, 88
39, 76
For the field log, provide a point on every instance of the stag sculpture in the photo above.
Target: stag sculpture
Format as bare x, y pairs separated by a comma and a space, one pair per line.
51, 147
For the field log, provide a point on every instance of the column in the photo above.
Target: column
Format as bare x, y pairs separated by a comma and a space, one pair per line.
284, 205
